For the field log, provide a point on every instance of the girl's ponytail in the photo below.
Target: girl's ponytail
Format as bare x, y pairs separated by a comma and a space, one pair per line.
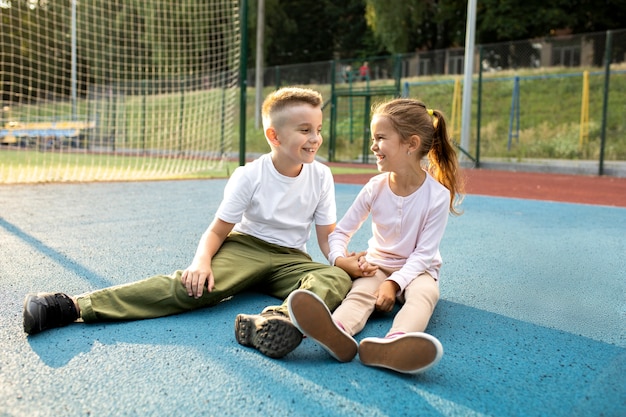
443, 163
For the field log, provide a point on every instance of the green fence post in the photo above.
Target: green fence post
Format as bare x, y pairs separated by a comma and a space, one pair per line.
514, 116
333, 114
112, 108
223, 123
143, 116
181, 116
397, 69
243, 79
605, 101
479, 104
366, 129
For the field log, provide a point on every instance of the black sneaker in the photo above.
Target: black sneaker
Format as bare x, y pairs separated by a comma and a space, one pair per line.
271, 333
47, 311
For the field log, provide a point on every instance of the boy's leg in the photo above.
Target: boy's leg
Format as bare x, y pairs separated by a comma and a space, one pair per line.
329, 283
272, 332
157, 296
235, 267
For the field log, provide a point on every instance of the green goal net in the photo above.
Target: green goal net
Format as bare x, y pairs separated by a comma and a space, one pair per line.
117, 90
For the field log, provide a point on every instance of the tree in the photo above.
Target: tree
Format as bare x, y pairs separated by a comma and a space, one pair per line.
417, 24
299, 31
353, 38
438, 24
506, 20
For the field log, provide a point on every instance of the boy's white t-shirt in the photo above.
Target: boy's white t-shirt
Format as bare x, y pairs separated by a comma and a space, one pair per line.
281, 210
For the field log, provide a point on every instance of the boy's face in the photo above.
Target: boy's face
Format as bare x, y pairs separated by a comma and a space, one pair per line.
298, 134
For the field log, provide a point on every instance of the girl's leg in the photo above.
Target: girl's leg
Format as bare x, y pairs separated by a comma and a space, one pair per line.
406, 348
360, 302
420, 298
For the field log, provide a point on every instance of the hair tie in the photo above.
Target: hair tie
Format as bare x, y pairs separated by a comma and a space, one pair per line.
435, 120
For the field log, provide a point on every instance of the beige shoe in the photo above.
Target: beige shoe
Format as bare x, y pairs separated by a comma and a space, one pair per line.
311, 316
410, 353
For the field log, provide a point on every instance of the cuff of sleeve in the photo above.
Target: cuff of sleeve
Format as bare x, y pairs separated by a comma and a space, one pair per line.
401, 285
332, 258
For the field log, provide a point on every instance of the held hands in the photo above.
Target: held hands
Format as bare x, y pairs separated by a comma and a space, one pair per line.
386, 296
197, 276
356, 266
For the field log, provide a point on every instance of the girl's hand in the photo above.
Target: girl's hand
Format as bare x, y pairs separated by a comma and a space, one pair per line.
367, 269
355, 265
386, 296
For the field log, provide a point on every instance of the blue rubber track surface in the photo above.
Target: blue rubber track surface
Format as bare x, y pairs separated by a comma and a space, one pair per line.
532, 315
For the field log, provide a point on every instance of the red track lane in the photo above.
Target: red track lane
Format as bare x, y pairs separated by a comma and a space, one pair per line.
598, 190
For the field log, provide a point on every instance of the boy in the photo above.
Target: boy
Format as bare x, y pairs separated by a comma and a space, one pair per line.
257, 240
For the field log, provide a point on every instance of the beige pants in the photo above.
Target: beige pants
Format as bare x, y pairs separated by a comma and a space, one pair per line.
419, 300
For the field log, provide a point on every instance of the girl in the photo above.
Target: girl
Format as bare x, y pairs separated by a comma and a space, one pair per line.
409, 206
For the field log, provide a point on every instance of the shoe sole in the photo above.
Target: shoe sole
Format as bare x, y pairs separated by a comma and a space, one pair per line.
410, 353
273, 336
311, 316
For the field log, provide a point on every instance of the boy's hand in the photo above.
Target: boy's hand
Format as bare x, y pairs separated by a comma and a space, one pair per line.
386, 296
195, 278
199, 274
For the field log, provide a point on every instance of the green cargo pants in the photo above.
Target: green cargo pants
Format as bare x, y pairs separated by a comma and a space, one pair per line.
242, 263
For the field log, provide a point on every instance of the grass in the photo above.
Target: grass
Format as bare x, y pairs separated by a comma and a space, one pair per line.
549, 116
25, 166
549, 126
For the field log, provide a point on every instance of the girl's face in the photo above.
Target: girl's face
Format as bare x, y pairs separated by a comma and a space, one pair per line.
299, 134
391, 153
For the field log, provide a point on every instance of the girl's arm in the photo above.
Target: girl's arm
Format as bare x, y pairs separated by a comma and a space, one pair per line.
427, 247
354, 264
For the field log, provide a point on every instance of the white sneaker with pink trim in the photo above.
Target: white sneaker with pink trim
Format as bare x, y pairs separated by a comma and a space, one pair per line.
409, 353
311, 316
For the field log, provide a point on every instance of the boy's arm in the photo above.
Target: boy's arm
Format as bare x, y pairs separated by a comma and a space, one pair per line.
199, 273
323, 231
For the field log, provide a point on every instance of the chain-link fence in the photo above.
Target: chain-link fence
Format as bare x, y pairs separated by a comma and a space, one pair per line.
561, 97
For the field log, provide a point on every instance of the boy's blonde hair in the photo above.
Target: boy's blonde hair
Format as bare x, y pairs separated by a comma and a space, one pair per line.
287, 96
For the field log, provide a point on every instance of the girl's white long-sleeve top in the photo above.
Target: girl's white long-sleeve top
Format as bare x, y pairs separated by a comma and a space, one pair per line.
406, 231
